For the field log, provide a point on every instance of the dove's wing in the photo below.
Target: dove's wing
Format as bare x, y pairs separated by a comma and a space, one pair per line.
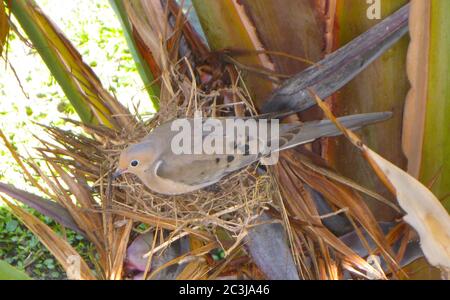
206, 169
201, 170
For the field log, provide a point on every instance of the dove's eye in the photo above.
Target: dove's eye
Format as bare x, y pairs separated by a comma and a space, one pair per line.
134, 163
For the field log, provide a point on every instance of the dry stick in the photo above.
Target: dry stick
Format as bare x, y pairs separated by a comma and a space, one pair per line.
21, 164
364, 242
245, 52
197, 252
332, 214
106, 217
165, 244
150, 257
267, 74
18, 81
330, 174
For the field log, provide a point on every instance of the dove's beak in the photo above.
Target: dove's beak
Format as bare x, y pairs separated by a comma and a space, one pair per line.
117, 173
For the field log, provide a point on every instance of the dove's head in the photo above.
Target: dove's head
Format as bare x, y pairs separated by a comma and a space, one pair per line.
135, 159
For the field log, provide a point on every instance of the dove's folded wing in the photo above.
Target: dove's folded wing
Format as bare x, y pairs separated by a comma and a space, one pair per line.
201, 170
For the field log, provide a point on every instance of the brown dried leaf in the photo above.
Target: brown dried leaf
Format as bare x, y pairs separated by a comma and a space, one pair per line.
4, 26
424, 212
418, 69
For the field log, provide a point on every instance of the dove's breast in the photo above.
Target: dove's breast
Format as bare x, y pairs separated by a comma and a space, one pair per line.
166, 186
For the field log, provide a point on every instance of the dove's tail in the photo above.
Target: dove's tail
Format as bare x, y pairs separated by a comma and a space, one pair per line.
292, 135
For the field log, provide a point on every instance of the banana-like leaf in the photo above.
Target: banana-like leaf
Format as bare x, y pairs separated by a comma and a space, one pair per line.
82, 87
8, 272
426, 137
46, 207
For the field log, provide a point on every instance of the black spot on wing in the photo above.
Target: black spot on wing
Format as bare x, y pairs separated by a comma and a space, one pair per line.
289, 136
247, 150
283, 142
296, 130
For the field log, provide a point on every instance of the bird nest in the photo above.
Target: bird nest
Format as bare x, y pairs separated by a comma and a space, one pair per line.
231, 206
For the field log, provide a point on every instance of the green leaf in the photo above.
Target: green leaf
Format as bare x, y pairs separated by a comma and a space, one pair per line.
436, 143
8, 272
11, 225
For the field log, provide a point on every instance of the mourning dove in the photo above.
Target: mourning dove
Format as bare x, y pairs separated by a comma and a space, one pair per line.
164, 171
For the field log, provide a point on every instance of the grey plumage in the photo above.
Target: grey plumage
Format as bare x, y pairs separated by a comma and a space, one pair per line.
165, 172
